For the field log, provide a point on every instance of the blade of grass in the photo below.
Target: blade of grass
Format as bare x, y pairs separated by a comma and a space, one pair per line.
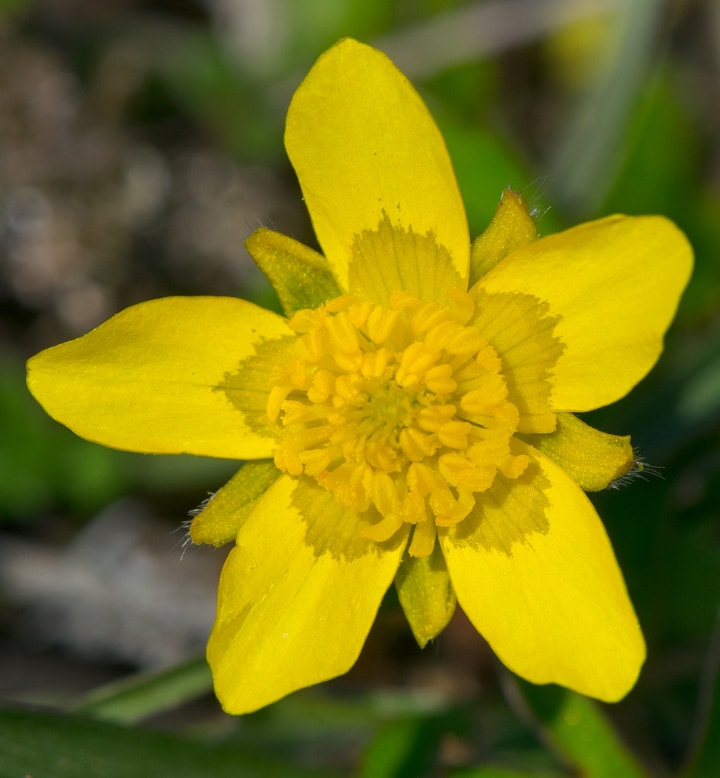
143, 695
574, 728
703, 756
589, 153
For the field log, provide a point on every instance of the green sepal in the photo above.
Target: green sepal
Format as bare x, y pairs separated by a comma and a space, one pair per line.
301, 277
510, 229
594, 459
219, 520
426, 594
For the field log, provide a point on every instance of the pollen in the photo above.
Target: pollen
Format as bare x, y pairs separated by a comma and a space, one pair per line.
401, 412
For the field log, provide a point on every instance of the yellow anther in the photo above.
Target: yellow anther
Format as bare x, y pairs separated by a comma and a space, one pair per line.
359, 313
311, 437
421, 478
337, 304
416, 359
462, 305
432, 418
458, 470
296, 412
423, 539
514, 467
474, 403
450, 510
428, 316
345, 389
381, 323
416, 445
454, 434
401, 412
349, 361
375, 363
414, 508
400, 299
439, 379
316, 460
305, 320
465, 341
287, 460
438, 337
385, 494
487, 358
323, 385
342, 333
297, 374
275, 400
381, 456
384, 529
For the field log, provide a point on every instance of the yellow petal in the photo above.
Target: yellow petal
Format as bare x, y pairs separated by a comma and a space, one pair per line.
149, 379
511, 228
217, 522
615, 284
301, 277
366, 150
426, 595
593, 458
297, 596
534, 571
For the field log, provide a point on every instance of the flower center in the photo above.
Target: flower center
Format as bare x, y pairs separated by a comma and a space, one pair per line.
402, 409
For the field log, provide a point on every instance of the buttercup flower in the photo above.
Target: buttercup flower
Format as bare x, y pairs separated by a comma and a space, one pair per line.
409, 419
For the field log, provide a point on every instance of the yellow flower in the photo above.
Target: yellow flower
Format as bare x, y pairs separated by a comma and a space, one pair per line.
410, 418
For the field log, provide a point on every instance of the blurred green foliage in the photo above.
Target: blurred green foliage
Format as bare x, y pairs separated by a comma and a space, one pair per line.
639, 135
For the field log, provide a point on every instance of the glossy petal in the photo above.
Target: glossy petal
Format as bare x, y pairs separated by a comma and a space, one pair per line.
593, 458
615, 284
538, 579
297, 596
366, 151
149, 378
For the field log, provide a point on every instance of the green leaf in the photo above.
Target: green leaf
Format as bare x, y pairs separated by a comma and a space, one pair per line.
408, 747
499, 772
579, 731
52, 745
704, 754
145, 694
586, 159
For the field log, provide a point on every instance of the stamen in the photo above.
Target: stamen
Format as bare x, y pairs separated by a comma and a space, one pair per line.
403, 410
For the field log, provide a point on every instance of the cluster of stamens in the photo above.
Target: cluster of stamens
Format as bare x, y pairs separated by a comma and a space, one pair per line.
402, 409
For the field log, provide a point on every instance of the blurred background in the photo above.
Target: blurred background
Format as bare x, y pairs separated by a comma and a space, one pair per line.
140, 144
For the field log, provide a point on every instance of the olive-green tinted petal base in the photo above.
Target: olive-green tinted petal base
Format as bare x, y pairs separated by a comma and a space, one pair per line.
426, 595
511, 228
300, 276
390, 258
593, 458
220, 518
297, 596
546, 592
